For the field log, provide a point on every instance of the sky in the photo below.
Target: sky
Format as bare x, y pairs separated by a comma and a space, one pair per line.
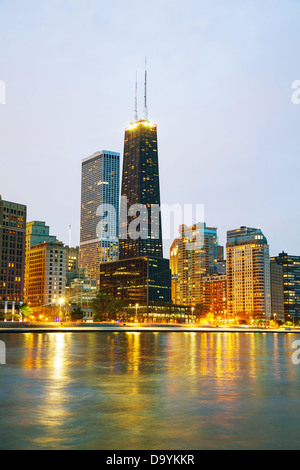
220, 86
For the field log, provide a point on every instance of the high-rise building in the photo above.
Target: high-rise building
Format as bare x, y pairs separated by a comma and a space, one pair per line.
141, 275
12, 253
277, 292
193, 255
140, 186
248, 274
100, 186
46, 265
38, 232
291, 283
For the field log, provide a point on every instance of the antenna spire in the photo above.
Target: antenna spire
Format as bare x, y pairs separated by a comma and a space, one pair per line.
136, 118
146, 107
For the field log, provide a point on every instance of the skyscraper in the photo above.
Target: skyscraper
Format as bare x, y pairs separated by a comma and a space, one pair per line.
141, 275
291, 283
140, 186
12, 253
100, 186
248, 274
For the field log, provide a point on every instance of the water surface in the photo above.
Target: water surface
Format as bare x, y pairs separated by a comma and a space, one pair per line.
156, 391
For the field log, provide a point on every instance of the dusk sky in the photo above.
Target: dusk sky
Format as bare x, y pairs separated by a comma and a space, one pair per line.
220, 87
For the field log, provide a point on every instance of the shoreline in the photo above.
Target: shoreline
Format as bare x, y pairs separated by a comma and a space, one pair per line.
131, 328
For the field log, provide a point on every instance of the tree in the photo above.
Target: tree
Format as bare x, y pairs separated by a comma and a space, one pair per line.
201, 311
106, 307
76, 314
25, 310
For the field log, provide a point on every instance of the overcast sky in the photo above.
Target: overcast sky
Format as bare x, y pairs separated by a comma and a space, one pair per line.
220, 87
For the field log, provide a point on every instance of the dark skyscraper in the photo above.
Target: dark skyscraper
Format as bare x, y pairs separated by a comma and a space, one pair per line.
141, 275
140, 185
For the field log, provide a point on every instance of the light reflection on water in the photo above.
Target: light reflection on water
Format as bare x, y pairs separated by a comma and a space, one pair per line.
149, 391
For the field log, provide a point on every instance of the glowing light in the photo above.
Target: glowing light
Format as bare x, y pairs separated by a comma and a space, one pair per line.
141, 123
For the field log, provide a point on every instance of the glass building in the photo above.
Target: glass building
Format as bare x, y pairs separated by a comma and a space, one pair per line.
142, 280
291, 283
100, 186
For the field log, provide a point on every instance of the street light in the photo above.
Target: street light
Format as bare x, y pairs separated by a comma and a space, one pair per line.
136, 310
193, 308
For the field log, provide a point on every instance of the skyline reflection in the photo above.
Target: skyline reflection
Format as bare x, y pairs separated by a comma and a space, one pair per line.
148, 391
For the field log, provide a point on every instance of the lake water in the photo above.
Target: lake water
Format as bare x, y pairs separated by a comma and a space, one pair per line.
156, 391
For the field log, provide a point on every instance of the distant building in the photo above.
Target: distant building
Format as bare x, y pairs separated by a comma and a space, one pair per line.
73, 270
291, 283
100, 185
72, 258
12, 253
248, 274
220, 253
221, 266
174, 270
81, 292
193, 256
45, 275
277, 292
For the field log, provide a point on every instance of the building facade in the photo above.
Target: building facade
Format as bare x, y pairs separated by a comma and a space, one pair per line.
277, 291
193, 256
12, 253
291, 283
142, 280
248, 274
100, 186
215, 295
46, 267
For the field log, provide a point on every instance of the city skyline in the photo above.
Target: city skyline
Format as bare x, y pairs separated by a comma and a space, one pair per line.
225, 107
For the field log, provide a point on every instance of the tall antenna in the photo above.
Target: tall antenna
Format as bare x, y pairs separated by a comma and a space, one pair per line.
70, 236
146, 107
136, 118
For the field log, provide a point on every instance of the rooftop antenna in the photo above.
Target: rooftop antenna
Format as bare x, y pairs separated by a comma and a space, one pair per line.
70, 239
136, 118
146, 107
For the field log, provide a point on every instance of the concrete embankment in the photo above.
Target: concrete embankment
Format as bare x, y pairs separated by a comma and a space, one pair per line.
129, 328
